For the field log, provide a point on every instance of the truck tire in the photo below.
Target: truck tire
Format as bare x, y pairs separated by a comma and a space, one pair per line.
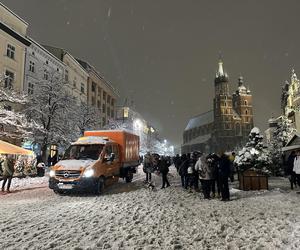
129, 177
99, 186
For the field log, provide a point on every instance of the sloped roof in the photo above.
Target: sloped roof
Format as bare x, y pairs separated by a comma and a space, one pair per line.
202, 119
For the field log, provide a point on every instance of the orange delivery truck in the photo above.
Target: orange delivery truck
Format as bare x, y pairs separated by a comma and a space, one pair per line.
96, 160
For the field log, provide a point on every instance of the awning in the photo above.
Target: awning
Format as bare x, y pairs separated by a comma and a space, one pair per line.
7, 148
289, 148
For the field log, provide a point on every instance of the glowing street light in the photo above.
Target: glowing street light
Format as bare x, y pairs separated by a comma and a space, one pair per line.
137, 124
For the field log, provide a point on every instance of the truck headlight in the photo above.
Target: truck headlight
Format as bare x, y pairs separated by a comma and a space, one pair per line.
88, 173
52, 173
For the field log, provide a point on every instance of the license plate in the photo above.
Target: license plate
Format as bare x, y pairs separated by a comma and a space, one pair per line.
64, 186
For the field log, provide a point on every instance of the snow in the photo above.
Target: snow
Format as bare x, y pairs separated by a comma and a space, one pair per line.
255, 130
91, 140
74, 164
29, 183
130, 216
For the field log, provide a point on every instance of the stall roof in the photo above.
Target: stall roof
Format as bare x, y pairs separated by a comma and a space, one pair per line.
7, 148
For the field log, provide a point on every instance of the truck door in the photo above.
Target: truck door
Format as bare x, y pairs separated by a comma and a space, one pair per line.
111, 164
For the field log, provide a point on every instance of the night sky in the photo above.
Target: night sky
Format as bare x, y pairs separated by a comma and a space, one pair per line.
164, 54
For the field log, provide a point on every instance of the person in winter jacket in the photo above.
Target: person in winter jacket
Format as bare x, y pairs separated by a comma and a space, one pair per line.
215, 176
224, 174
205, 169
148, 166
8, 171
289, 169
296, 167
182, 170
163, 167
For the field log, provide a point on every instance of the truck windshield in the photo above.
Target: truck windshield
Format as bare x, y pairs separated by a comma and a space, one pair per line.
83, 152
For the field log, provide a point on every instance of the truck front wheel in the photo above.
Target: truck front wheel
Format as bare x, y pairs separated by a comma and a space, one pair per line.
99, 186
129, 177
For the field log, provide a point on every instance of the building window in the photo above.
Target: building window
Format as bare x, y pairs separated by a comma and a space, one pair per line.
33, 53
74, 82
82, 88
103, 121
93, 87
246, 112
103, 108
99, 91
104, 96
30, 88
46, 76
47, 62
10, 52
57, 69
9, 79
66, 75
246, 103
112, 113
108, 111
31, 67
7, 107
99, 104
108, 99
93, 101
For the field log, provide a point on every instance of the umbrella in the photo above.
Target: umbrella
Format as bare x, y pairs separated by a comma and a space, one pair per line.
7, 148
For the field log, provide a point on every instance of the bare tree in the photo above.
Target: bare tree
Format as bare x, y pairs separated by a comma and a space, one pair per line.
51, 106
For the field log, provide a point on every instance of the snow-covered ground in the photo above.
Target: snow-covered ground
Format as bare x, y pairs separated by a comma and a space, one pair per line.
129, 216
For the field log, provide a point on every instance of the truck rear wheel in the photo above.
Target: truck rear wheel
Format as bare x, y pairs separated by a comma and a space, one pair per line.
129, 177
99, 186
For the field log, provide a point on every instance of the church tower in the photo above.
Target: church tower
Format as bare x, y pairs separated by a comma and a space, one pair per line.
223, 110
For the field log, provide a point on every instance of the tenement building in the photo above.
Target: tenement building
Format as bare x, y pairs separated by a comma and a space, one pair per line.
227, 126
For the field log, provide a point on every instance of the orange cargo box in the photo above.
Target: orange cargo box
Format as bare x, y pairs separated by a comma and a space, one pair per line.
129, 143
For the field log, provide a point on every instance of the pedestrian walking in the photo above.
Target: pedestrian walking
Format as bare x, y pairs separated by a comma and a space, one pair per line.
205, 169
289, 169
296, 167
148, 166
224, 174
215, 176
182, 170
163, 168
8, 171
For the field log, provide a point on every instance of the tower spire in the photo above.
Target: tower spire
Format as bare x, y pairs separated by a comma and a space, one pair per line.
220, 70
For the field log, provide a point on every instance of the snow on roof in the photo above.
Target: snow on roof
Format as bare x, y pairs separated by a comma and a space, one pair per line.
91, 140
255, 130
202, 119
199, 140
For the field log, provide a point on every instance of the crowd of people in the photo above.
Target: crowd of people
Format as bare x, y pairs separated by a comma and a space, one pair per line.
212, 171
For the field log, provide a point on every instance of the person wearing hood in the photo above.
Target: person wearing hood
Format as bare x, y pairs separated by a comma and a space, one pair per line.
8, 172
205, 169
163, 167
296, 167
224, 174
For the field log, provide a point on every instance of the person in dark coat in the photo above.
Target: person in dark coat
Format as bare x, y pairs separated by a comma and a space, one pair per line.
163, 168
182, 171
148, 166
215, 175
224, 174
177, 161
8, 172
289, 169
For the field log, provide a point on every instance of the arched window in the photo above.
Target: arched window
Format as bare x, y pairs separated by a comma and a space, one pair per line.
245, 103
246, 112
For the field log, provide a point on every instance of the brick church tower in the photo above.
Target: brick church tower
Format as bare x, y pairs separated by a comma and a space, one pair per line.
233, 114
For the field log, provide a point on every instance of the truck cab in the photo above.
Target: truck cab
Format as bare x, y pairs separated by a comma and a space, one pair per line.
92, 163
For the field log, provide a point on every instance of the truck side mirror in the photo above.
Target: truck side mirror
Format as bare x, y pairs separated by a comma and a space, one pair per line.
112, 157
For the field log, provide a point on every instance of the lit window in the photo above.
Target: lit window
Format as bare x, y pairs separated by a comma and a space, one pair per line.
10, 52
